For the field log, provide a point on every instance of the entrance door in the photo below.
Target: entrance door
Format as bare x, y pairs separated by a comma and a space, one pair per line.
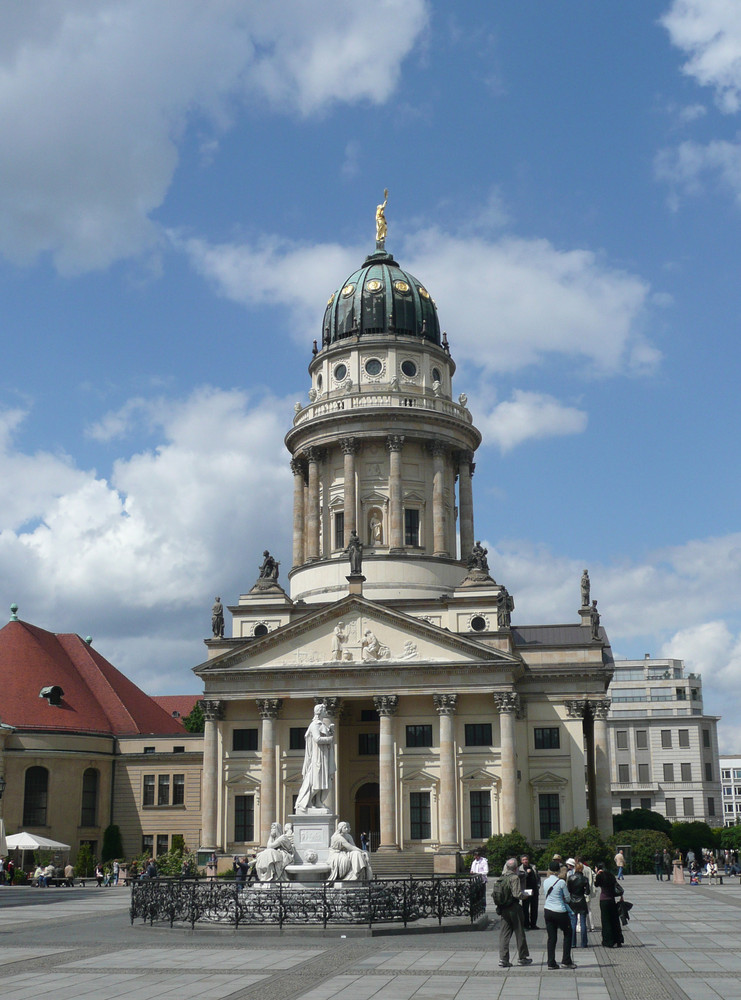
368, 814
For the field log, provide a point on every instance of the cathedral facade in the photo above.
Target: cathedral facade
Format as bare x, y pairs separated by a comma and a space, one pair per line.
452, 723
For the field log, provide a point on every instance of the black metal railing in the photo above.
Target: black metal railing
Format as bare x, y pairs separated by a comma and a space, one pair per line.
382, 900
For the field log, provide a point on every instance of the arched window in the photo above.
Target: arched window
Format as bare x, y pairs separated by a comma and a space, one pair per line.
89, 797
35, 796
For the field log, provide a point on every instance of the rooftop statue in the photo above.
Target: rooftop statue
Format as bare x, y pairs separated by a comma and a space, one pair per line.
594, 619
355, 551
217, 619
381, 226
477, 558
269, 568
585, 589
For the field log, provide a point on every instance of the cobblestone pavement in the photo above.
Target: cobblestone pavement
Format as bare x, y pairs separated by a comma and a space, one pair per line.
683, 943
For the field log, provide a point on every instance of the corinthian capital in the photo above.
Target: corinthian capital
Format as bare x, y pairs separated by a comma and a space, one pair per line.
576, 709
212, 710
600, 707
394, 442
349, 446
386, 704
445, 704
507, 702
269, 707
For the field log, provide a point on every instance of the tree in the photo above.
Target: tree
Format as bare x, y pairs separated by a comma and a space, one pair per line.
85, 864
695, 836
112, 843
585, 841
643, 846
196, 721
641, 819
503, 846
730, 838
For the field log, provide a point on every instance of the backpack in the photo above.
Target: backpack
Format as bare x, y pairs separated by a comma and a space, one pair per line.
502, 893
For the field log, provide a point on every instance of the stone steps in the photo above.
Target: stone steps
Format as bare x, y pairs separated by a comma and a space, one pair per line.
398, 863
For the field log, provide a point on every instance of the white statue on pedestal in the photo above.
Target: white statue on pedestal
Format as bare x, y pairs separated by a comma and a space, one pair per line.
319, 763
270, 863
346, 861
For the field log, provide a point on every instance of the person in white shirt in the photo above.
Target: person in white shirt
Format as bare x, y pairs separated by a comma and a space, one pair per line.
480, 866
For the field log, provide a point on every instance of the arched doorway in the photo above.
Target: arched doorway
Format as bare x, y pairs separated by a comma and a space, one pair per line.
368, 814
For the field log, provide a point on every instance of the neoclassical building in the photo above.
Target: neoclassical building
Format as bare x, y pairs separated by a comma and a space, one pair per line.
452, 722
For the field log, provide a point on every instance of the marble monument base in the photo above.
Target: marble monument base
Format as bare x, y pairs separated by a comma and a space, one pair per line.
312, 831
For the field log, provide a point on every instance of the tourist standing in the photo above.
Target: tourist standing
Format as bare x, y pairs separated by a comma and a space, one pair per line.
530, 879
511, 916
480, 866
612, 934
620, 864
557, 916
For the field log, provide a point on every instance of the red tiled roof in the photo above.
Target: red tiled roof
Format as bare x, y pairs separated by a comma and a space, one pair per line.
97, 697
183, 704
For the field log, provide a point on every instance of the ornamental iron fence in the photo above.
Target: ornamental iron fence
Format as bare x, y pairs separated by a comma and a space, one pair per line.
382, 900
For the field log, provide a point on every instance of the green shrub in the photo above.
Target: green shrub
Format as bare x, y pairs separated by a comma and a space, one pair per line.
643, 845
85, 864
694, 836
112, 843
641, 819
585, 841
500, 848
730, 838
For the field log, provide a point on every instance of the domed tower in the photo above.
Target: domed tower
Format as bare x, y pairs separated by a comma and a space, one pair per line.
381, 444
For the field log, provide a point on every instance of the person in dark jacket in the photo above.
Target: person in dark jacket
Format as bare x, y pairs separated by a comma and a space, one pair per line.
529, 879
612, 934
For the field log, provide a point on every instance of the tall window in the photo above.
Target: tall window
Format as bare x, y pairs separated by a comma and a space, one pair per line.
148, 790
178, 789
547, 738
671, 807
684, 738
668, 772
623, 773
550, 814
368, 744
411, 526
244, 818
163, 790
645, 803
708, 771
163, 843
711, 807
626, 805
419, 816
666, 739
244, 739
148, 844
686, 772
35, 796
89, 797
297, 738
419, 736
478, 734
641, 739
622, 739
339, 529
689, 806
643, 775
480, 815
706, 737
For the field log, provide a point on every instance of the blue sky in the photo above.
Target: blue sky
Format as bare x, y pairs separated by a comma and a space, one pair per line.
183, 185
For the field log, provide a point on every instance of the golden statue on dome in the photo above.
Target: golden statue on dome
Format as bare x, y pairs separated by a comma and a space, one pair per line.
381, 227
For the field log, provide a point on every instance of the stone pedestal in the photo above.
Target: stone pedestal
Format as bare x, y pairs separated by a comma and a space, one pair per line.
356, 581
677, 872
447, 863
312, 831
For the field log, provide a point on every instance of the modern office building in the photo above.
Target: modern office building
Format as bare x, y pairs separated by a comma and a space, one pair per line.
730, 779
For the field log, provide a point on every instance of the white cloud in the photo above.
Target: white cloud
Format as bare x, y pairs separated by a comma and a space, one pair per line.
709, 31
529, 415
689, 164
95, 98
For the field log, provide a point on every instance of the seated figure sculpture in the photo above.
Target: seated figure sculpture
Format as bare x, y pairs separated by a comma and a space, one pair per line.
346, 861
270, 863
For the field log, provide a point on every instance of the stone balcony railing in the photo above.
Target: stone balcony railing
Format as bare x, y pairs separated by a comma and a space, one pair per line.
355, 401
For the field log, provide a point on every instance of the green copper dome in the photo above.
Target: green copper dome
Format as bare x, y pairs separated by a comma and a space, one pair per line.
380, 298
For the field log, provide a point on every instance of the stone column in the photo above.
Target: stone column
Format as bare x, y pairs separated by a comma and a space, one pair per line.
349, 450
212, 711
268, 709
394, 443
600, 708
439, 451
507, 705
299, 516
465, 502
312, 521
386, 706
577, 734
445, 705
580, 709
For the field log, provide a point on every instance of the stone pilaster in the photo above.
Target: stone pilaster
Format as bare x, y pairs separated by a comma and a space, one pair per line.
386, 706
268, 709
508, 705
299, 515
465, 502
600, 709
439, 451
445, 705
313, 457
212, 711
394, 444
349, 450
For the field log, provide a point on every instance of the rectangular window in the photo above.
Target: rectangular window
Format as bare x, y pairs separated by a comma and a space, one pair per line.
626, 805
244, 818
163, 843
622, 739
624, 773
686, 772
148, 794
728, 807
706, 738
178, 789
419, 736
727, 790
668, 772
149, 749
736, 773
339, 529
368, 715
163, 790
643, 775
646, 804
641, 739
681, 694
480, 815
671, 807
711, 806
550, 814
478, 734
178, 749
666, 739
708, 771
244, 739
689, 807
684, 738
89, 797
411, 527
148, 844
368, 744
296, 740
548, 738
726, 775
419, 816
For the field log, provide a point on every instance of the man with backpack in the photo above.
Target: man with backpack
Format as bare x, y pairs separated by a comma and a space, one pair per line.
507, 893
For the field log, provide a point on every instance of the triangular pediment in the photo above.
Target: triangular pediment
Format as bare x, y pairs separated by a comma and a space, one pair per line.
357, 633
481, 775
419, 776
242, 779
547, 778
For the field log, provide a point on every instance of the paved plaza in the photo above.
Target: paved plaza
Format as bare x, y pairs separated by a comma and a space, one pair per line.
682, 942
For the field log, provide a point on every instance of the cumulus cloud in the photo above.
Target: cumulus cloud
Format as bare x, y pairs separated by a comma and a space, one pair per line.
688, 166
95, 98
529, 415
709, 31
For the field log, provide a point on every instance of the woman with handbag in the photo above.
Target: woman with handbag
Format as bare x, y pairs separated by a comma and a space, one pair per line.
612, 934
578, 886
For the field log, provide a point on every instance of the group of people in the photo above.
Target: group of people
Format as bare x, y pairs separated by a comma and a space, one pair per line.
7, 867
567, 890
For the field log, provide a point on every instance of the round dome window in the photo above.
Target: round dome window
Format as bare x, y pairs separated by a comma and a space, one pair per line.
409, 368
340, 373
478, 623
373, 366
260, 629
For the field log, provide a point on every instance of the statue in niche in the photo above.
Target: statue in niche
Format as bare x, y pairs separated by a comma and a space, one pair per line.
271, 863
477, 559
319, 763
381, 225
355, 551
217, 619
269, 568
594, 619
585, 589
505, 607
372, 648
376, 529
347, 862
